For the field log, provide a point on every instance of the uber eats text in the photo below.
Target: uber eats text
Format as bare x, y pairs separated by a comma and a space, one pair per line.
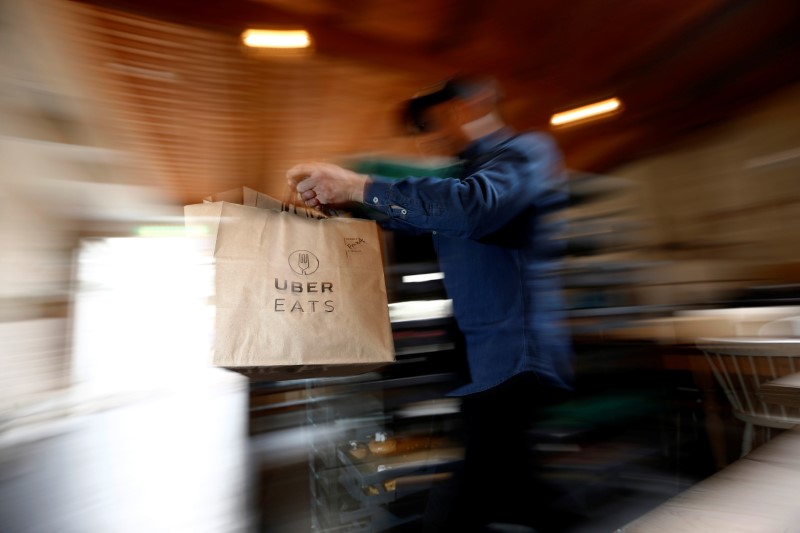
295, 303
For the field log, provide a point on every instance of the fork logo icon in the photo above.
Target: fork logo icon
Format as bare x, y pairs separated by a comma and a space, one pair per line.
303, 262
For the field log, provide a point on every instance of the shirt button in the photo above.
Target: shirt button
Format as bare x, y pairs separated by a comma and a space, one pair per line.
404, 212
375, 200
434, 233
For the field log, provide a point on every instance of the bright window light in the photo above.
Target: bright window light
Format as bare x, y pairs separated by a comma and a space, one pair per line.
277, 38
585, 112
142, 313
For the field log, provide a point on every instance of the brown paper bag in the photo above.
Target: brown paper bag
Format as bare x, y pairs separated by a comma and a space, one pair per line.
252, 198
296, 297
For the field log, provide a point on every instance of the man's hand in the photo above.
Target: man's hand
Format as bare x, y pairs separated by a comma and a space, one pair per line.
326, 184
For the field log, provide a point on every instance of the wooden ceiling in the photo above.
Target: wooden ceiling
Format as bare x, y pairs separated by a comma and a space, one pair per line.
676, 65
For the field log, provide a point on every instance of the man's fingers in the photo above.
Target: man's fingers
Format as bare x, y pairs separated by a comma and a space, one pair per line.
303, 178
318, 183
299, 173
307, 184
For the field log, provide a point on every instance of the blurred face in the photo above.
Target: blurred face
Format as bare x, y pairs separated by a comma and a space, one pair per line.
443, 135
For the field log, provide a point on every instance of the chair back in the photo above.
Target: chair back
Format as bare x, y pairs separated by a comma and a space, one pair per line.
742, 365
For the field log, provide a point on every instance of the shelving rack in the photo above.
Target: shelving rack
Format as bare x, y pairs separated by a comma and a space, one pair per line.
406, 400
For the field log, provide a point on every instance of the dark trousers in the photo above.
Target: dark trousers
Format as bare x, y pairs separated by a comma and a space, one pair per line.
498, 479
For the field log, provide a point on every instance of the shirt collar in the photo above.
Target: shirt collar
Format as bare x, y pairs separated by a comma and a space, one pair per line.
486, 143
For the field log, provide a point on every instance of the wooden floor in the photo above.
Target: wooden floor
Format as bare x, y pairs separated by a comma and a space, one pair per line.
757, 493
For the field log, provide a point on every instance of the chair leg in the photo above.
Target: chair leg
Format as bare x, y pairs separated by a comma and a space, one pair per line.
747, 439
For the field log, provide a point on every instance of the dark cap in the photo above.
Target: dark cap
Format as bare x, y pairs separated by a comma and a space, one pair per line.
413, 110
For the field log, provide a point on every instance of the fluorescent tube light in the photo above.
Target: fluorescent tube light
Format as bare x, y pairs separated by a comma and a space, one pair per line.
585, 112
277, 38
419, 278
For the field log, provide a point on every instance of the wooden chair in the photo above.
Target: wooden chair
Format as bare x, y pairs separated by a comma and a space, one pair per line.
741, 366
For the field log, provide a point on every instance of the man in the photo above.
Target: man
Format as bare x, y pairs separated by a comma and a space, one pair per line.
495, 244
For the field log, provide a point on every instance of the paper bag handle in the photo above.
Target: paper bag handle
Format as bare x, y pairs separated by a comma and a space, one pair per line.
286, 200
310, 212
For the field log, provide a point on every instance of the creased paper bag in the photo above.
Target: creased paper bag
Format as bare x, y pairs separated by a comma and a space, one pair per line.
252, 198
295, 296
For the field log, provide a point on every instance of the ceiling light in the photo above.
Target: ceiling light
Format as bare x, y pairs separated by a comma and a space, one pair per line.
277, 38
588, 111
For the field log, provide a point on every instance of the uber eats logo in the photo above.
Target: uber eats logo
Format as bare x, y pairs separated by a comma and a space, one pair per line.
303, 296
303, 262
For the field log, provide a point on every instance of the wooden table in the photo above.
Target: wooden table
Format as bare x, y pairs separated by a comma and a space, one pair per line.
757, 493
783, 391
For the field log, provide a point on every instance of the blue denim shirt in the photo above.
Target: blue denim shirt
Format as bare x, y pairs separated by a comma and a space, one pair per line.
496, 248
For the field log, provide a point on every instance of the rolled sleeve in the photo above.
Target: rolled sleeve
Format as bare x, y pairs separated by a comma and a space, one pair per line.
396, 210
514, 178
376, 194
